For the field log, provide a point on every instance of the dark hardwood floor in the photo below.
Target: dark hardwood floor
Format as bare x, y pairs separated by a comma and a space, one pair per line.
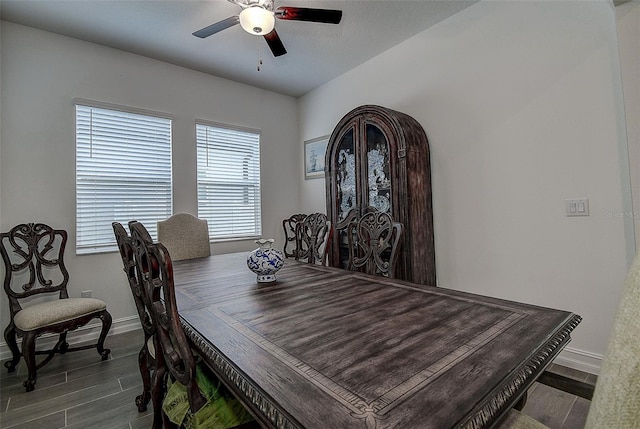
77, 390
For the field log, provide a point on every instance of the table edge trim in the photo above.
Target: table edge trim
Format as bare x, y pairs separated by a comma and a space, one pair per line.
224, 368
494, 408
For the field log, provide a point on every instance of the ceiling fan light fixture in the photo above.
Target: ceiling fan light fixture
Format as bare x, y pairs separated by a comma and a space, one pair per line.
257, 21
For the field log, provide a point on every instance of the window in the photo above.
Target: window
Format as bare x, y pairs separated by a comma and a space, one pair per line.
123, 172
229, 181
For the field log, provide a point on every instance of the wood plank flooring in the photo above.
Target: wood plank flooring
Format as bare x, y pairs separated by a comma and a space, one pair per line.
557, 409
78, 390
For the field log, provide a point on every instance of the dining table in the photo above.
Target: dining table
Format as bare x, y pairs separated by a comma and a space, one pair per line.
327, 348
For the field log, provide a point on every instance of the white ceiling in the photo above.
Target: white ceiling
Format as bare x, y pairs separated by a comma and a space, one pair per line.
161, 29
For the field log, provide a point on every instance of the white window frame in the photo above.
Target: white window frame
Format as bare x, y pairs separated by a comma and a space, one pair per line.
231, 214
123, 171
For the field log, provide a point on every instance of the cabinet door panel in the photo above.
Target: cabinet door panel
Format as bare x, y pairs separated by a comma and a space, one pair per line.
378, 170
346, 175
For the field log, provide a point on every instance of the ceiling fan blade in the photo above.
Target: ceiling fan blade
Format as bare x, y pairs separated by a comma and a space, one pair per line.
218, 26
328, 16
275, 44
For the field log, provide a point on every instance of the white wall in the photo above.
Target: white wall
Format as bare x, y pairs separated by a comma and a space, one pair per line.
521, 102
42, 73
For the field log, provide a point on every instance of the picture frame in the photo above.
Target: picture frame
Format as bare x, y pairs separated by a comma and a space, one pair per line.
314, 151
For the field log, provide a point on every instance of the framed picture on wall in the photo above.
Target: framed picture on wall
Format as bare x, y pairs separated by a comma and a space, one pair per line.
314, 151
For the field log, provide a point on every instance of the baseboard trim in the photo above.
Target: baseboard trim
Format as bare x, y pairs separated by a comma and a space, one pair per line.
580, 359
82, 334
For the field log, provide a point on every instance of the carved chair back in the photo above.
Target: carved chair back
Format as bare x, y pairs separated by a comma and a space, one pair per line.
315, 235
33, 255
310, 236
374, 243
35, 272
292, 237
344, 228
125, 246
146, 357
173, 352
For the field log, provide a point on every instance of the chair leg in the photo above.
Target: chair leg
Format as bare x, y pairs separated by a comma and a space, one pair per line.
29, 354
157, 394
521, 402
143, 363
63, 345
168, 424
10, 338
105, 316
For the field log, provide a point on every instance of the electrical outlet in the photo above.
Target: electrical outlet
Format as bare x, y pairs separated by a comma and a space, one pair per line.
86, 293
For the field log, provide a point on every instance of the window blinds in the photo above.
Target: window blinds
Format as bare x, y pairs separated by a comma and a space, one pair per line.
229, 181
123, 172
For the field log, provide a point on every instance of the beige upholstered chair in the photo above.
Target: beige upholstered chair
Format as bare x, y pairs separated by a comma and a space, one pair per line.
616, 400
33, 256
185, 236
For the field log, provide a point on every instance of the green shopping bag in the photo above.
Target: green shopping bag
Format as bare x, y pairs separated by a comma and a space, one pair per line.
222, 410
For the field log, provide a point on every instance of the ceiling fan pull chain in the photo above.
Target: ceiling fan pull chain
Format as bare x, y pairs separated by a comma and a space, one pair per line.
258, 51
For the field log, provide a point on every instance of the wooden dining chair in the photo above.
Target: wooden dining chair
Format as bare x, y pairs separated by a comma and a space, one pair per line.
35, 281
316, 237
616, 398
185, 236
174, 356
374, 243
292, 236
309, 235
146, 356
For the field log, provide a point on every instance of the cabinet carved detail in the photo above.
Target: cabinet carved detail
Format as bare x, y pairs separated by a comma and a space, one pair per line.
378, 157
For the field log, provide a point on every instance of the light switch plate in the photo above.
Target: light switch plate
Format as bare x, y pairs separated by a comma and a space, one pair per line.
577, 207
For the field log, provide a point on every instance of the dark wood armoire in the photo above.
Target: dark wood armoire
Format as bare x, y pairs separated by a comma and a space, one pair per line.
379, 157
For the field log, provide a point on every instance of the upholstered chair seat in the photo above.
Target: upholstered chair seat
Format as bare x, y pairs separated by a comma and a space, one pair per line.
50, 313
151, 348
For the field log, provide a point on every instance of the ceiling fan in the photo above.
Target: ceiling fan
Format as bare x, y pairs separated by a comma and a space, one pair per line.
258, 18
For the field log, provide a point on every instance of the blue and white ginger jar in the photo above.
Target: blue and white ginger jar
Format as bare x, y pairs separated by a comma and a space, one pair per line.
265, 261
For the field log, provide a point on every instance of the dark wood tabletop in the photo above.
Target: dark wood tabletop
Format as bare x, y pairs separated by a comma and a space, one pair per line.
327, 348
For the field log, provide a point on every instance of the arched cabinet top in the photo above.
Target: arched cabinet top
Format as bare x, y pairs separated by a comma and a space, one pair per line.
409, 133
